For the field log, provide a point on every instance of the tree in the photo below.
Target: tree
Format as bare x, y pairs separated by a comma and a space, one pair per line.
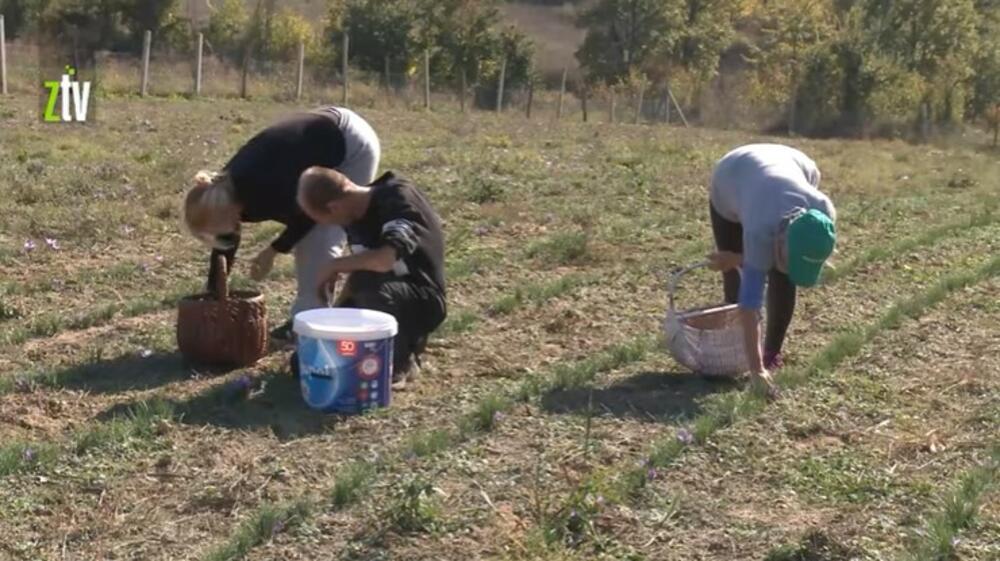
627, 34
21, 15
793, 32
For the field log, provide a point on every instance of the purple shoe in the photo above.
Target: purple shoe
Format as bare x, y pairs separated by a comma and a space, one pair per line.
773, 360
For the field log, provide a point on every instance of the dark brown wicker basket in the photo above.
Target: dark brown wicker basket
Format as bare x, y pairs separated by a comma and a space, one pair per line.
222, 329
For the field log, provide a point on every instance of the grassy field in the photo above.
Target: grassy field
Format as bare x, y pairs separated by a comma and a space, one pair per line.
549, 424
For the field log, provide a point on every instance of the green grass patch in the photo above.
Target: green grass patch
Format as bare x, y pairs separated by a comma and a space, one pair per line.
458, 323
537, 293
260, 528
27, 457
564, 248
351, 482
485, 416
138, 426
413, 508
956, 512
427, 443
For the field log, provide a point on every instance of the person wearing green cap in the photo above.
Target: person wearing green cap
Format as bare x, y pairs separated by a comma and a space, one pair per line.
773, 228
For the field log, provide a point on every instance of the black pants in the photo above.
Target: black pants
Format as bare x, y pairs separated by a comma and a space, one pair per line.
780, 290
418, 309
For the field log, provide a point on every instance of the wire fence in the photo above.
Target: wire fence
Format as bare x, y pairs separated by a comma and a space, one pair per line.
161, 73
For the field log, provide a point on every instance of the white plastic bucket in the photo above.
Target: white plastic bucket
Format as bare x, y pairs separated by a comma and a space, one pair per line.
345, 358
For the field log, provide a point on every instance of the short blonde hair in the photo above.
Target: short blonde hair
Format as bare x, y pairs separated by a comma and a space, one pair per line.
211, 192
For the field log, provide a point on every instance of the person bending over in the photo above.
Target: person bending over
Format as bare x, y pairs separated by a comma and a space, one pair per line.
396, 264
260, 183
772, 224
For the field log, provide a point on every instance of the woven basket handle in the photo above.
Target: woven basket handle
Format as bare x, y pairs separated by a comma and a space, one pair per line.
221, 287
676, 279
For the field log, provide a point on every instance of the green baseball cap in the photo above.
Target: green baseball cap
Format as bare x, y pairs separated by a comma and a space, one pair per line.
811, 238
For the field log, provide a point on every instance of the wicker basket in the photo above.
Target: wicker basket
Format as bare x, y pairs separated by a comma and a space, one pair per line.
222, 329
707, 340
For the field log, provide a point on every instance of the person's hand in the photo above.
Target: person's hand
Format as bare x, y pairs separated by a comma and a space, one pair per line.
724, 261
763, 384
262, 264
326, 288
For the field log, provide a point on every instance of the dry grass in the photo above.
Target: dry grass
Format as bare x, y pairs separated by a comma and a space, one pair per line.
543, 389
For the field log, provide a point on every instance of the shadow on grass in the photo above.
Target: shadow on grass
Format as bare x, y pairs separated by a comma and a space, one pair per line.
271, 401
124, 373
648, 396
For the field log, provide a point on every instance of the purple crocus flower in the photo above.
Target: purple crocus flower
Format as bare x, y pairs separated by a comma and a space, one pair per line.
651, 474
279, 525
684, 436
29, 455
498, 416
29, 245
52, 243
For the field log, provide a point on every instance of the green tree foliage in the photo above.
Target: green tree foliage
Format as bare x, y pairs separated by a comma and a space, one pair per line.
21, 15
227, 28
459, 34
623, 35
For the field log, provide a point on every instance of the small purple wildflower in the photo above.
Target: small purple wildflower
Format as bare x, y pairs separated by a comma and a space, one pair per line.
159, 259
651, 474
955, 541
684, 436
52, 243
279, 526
498, 416
29, 245
146, 267
599, 500
29, 455
481, 231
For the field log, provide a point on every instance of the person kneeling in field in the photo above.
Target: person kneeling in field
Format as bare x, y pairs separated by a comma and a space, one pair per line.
397, 260
771, 223
261, 182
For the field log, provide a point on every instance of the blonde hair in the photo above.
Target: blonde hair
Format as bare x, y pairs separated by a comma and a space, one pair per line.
211, 193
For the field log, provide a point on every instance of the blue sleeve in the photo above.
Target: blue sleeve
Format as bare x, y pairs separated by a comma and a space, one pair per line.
752, 288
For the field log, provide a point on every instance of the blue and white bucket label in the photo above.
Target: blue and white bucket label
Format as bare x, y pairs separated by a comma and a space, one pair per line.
345, 376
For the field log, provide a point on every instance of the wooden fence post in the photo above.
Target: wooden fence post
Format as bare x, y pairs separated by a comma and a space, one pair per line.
427, 79
638, 107
611, 108
388, 77
300, 71
3, 58
344, 69
198, 59
147, 43
503, 77
562, 94
465, 88
677, 106
531, 98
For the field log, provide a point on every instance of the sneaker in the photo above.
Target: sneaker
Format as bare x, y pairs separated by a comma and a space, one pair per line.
403, 377
283, 333
773, 361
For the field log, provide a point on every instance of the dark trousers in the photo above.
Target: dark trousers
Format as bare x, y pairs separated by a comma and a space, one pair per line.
780, 290
418, 309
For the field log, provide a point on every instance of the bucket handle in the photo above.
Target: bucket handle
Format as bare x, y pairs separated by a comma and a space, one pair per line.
221, 287
676, 278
